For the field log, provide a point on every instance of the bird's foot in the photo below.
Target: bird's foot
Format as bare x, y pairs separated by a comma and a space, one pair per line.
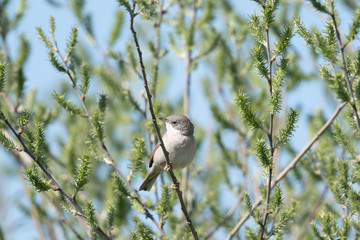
168, 167
175, 186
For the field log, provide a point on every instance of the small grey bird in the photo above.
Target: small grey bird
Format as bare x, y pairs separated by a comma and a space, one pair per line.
179, 142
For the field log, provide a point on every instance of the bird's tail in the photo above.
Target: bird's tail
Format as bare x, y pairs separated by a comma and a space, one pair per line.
149, 180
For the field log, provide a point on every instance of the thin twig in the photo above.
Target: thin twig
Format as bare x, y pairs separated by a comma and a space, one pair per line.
151, 109
270, 137
291, 165
344, 68
188, 64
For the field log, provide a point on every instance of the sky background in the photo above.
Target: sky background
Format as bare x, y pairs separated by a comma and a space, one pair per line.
310, 96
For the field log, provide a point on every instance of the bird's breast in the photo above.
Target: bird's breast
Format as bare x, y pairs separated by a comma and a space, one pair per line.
182, 150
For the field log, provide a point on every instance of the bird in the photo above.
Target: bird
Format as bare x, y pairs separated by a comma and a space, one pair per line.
179, 142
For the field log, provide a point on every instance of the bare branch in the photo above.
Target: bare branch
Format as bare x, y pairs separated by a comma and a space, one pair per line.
151, 109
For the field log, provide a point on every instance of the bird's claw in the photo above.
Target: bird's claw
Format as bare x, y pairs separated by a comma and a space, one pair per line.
175, 186
168, 167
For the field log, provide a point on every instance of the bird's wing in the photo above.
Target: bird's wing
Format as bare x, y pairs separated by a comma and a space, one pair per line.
155, 149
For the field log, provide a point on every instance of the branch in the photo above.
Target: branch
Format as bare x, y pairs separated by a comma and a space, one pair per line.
348, 83
291, 165
151, 109
56, 185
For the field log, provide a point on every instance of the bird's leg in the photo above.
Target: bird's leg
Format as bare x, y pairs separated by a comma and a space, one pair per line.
176, 185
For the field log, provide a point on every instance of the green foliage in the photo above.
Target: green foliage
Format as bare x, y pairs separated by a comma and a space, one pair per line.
269, 12
71, 43
126, 4
341, 183
23, 118
90, 214
141, 232
6, 142
131, 57
354, 29
83, 172
44, 39
24, 51
263, 153
256, 28
19, 14
115, 31
2, 76
261, 61
343, 140
282, 220
338, 85
249, 208
52, 26
277, 200
102, 103
67, 105
246, 112
284, 41
277, 84
137, 156
55, 62
20, 81
328, 225
37, 182
121, 188
85, 77
221, 119
78, 6
290, 124
250, 234
98, 129
110, 218
64, 203
304, 33
318, 5
129, 97
164, 203
39, 144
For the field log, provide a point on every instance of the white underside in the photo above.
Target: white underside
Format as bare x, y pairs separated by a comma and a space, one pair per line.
181, 149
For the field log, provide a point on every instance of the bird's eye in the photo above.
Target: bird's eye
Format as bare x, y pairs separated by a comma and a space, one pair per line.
173, 123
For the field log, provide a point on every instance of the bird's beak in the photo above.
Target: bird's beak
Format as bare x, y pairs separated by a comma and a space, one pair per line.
163, 119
